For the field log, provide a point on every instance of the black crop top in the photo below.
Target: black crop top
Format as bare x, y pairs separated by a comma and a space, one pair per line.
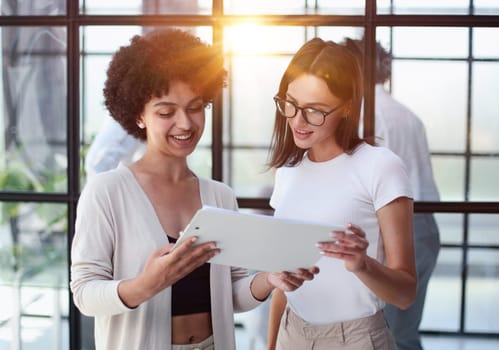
191, 294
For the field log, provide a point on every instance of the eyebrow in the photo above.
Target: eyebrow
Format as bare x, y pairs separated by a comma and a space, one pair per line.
318, 104
166, 103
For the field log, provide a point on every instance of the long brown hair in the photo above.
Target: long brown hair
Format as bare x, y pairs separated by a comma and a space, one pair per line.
339, 68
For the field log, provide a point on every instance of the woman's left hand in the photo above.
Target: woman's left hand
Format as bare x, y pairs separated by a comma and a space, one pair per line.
289, 281
350, 247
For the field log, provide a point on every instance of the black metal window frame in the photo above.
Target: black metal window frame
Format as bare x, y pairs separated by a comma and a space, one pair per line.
73, 21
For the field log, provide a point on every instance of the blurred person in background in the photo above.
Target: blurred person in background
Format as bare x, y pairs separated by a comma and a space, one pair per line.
402, 131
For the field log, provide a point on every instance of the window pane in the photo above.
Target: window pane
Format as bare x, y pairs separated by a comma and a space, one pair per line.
252, 39
485, 43
33, 8
482, 308
449, 176
443, 298
484, 175
484, 229
338, 34
252, 114
485, 109
33, 275
337, 7
249, 177
428, 7
486, 7
450, 227
437, 92
427, 42
138, 7
33, 145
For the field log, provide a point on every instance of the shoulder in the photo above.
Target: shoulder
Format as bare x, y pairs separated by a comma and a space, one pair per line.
105, 184
369, 153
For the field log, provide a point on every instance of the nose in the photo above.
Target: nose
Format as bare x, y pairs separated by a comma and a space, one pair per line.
299, 118
183, 120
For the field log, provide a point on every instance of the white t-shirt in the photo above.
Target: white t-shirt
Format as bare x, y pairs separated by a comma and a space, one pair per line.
345, 189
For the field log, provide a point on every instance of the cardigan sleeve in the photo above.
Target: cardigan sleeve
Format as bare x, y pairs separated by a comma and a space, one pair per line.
95, 291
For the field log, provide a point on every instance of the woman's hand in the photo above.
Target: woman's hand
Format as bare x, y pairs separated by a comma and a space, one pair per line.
349, 245
289, 281
164, 267
264, 282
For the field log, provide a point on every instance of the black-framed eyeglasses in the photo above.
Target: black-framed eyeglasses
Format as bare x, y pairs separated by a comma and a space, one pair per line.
312, 116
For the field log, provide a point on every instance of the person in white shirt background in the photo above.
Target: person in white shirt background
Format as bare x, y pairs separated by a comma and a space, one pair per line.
403, 132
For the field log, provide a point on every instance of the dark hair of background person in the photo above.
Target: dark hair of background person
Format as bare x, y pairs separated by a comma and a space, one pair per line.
383, 58
337, 66
144, 70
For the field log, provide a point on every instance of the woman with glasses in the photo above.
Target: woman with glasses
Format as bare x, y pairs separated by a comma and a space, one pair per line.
125, 273
325, 172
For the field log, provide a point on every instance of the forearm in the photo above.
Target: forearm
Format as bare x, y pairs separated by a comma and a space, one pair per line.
277, 306
132, 293
394, 286
260, 286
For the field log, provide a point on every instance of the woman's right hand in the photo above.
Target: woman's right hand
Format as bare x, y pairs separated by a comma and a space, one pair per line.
164, 267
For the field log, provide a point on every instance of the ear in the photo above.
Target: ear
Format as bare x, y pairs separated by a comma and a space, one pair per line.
140, 123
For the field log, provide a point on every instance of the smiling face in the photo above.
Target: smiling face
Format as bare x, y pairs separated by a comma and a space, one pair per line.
307, 90
174, 123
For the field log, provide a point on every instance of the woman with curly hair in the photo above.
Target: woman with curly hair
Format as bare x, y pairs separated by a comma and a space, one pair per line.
124, 272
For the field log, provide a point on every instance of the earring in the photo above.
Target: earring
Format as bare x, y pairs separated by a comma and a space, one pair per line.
140, 124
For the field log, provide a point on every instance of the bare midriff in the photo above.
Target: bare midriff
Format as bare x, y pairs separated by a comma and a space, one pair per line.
191, 329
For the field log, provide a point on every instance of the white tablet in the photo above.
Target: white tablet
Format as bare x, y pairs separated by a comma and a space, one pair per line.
259, 242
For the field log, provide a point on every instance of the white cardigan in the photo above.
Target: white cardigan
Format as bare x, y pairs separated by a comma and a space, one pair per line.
116, 231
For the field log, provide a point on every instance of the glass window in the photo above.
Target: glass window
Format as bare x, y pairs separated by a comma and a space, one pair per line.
481, 297
33, 146
427, 7
437, 92
337, 7
450, 227
33, 8
485, 43
485, 109
250, 177
484, 175
33, 274
426, 42
484, 229
137, 7
443, 298
486, 7
449, 175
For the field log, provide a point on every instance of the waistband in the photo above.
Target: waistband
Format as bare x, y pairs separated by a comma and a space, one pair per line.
339, 330
206, 344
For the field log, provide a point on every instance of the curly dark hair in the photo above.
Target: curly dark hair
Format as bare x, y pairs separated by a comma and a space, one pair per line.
144, 69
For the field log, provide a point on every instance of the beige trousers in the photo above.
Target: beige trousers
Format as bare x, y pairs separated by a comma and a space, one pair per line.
206, 344
368, 333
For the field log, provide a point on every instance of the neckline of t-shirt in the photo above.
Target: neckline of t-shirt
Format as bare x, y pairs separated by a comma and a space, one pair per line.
338, 158
307, 160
